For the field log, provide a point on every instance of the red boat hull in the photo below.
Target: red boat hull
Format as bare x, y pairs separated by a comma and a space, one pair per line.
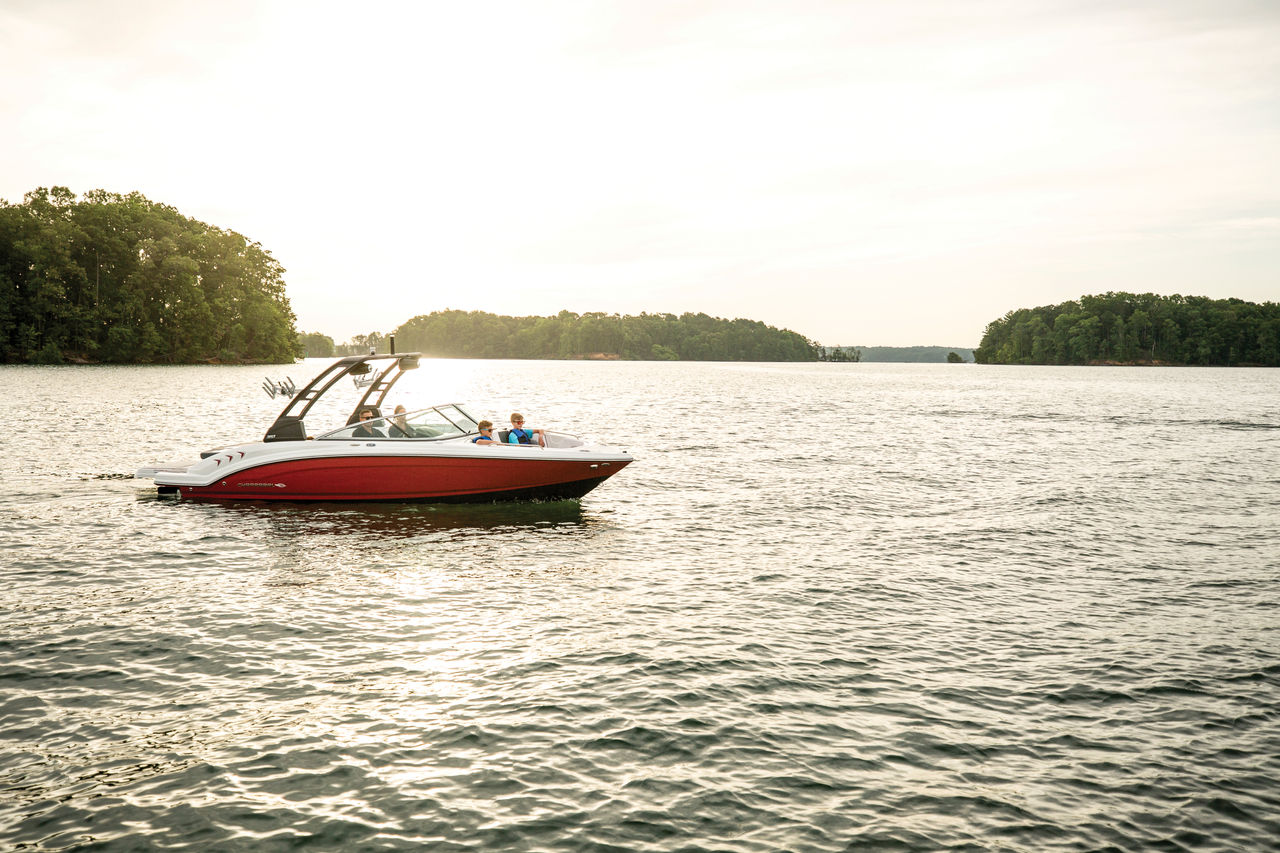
400, 478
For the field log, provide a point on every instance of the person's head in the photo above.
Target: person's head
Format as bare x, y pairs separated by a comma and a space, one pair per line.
400, 410
517, 420
485, 426
366, 415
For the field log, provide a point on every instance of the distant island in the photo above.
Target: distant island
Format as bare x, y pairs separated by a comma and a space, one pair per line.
597, 336
1127, 328
898, 354
119, 278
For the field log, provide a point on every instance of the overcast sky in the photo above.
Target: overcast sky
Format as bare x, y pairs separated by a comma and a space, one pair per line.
867, 173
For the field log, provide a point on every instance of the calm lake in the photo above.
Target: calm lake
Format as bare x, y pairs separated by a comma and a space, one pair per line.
829, 607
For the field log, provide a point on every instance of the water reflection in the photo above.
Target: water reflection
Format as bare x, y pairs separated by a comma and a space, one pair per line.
385, 521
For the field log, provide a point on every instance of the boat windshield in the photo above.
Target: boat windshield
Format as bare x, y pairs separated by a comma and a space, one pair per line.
437, 422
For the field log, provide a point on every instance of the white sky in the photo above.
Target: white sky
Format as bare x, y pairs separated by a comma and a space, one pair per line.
860, 172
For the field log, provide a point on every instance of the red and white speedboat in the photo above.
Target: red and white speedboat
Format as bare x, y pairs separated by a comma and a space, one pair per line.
423, 455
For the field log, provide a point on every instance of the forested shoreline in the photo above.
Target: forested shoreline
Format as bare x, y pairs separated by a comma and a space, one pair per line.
1127, 328
647, 337
122, 279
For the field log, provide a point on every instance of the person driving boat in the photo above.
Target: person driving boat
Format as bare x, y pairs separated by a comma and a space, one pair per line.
365, 429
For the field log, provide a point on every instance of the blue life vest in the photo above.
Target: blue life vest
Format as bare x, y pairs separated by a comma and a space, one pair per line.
519, 436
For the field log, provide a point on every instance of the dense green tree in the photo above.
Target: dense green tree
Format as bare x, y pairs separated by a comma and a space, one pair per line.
1141, 328
692, 337
316, 345
120, 278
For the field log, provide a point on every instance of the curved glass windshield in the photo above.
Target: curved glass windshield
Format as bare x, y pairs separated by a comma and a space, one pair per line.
437, 422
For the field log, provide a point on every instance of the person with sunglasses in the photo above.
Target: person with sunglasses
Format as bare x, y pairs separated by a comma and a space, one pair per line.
365, 429
519, 435
486, 434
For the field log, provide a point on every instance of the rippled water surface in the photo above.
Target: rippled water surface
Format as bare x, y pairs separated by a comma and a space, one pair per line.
829, 607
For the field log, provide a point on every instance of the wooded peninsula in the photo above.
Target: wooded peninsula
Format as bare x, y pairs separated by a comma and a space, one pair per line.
1128, 328
647, 337
119, 278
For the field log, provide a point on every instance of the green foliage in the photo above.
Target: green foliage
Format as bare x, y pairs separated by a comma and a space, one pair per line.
847, 354
1127, 328
689, 337
120, 278
48, 354
954, 357
315, 345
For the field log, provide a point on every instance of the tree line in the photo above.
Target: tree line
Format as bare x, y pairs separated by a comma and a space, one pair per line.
1146, 328
687, 337
916, 354
847, 354
120, 278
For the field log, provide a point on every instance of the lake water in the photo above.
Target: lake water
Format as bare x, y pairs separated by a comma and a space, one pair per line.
829, 607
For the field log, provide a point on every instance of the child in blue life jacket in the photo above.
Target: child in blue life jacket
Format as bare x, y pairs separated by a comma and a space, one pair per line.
520, 435
486, 434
